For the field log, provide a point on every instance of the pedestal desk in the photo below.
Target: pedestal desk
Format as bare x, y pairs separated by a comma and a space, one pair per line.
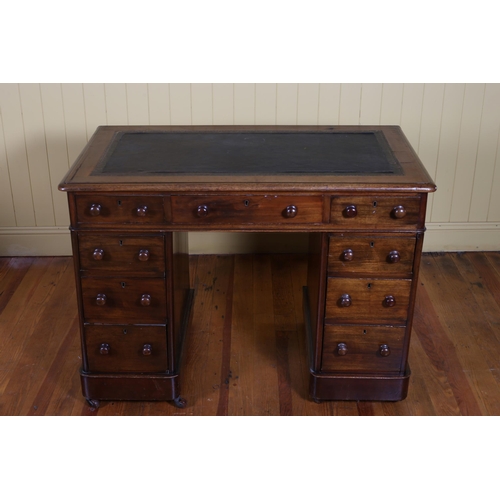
134, 193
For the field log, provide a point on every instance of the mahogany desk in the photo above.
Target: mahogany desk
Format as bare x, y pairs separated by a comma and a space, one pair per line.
134, 193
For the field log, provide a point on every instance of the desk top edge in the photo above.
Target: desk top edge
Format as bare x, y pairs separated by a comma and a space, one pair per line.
414, 179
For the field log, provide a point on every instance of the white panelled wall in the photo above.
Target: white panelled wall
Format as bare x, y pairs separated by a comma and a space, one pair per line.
453, 127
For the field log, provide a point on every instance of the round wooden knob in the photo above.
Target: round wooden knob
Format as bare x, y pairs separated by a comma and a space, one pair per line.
345, 300
389, 301
142, 211
342, 349
350, 211
98, 254
347, 255
399, 212
147, 349
104, 349
143, 255
100, 299
202, 211
145, 299
384, 350
95, 209
291, 211
393, 257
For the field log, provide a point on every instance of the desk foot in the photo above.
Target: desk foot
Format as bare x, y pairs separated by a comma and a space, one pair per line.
180, 402
94, 403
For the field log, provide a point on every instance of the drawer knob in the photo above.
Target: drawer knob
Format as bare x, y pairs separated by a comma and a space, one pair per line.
345, 300
104, 349
399, 212
350, 211
202, 211
389, 301
95, 209
143, 255
291, 211
393, 257
145, 299
100, 299
142, 211
342, 349
98, 254
347, 255
384, 350
147, 349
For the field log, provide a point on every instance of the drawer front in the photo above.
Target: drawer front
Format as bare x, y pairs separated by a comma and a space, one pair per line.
362, 348
115, 209
122, 253
367, 301
369, 255
112, 300
375, 212
252, 209
126, 348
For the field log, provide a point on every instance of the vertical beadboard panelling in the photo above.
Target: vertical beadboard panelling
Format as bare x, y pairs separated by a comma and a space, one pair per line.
286, 103
159, 103
430, 126
57, 151
265, 104
350, 102
308, 104
392, 99
371, 102
116, 103
74, 118
95, 106
244, 103
411, 112
448, 150
180, 103
223, 96
31, 104
201, 104
7, 215
494, 208
15, 148
137, 103
329, 103
486, 154
467, 152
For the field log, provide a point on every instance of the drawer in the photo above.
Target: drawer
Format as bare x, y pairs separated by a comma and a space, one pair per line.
126, 348
362, 348
251, 209
132, 300
115, 209
367, 301
122, 254
369, 254
376, 212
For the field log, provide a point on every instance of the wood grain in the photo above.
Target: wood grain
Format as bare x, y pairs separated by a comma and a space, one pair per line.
249, 330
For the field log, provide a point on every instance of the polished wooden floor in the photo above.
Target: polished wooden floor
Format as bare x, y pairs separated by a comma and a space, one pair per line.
246, 347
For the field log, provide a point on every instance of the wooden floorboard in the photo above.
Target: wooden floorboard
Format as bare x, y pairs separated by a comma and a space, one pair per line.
245, 351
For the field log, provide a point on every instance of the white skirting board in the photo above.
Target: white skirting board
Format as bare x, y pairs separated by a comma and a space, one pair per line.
439, 237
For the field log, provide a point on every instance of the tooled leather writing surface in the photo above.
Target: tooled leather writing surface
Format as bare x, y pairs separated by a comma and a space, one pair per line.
257, 153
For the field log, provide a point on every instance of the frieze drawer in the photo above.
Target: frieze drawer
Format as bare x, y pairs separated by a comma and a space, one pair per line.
251, 209
115, 209
376, 212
